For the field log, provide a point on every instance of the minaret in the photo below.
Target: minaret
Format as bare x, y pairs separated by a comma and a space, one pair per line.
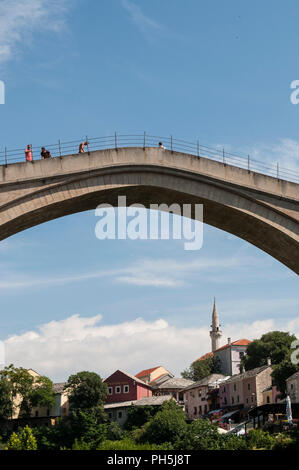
215, 333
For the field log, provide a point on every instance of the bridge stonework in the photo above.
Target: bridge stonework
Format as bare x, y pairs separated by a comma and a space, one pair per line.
259, 209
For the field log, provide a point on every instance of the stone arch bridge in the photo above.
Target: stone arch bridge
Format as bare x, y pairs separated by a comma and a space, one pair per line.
260, 209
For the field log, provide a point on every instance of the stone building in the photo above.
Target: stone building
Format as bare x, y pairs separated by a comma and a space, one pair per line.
293, 387
171, 386
246, 390
196, 396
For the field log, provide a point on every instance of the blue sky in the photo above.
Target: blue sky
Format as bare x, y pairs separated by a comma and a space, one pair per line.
217, 71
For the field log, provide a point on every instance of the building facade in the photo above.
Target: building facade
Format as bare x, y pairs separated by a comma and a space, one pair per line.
119, 411
197, 398
124, 387
246, 389
149, 376
172, 386
293, 387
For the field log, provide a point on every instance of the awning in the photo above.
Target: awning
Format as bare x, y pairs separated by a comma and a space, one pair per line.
227, 415
214, 411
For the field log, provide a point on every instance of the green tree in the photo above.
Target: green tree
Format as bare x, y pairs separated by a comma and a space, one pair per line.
22, 386
139, 415
86, 391
25, 390
168, 425
114, 431
259, 439
6, 402
281, 372
275, 345
200, 435
201, 369
42, 393
86, 426
23, 440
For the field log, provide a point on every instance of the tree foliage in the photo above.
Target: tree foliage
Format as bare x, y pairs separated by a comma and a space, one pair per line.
23, 440
275, 345
139, 415
86, 391
25, 390
6, 403
200, 369
168, 424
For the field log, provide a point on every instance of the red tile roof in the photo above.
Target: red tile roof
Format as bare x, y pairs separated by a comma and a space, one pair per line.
239, 342
146, 371
205, 356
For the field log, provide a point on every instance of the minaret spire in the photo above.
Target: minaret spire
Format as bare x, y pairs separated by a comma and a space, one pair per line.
215, 333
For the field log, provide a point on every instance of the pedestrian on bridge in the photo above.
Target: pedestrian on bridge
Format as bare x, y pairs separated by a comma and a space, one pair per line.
45, 153
28, 153
82, 145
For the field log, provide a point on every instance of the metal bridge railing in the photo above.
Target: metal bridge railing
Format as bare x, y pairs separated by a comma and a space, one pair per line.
60, 149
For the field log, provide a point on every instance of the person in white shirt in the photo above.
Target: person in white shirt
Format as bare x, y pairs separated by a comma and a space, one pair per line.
161, 146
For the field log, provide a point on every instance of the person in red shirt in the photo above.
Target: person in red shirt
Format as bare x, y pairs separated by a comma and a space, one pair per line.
28, 153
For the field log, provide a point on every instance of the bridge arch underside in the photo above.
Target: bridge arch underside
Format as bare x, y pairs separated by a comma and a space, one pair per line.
227, 209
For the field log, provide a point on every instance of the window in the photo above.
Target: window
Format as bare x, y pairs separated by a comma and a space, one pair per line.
126, 388
36, 414
225, 401
252, 399
195, 410
233, 400
110, 390
292, 386
200, 410
268, 399
235, 387
118, 389
246, 400
224, 389
248, 386
120, 414
110, 415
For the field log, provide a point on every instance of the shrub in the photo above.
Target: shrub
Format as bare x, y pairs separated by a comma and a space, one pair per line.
129, 444
259, 439
168, 425
79, 444
24, 440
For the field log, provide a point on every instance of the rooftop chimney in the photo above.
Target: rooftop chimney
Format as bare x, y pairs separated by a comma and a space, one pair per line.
269, 361
229, 340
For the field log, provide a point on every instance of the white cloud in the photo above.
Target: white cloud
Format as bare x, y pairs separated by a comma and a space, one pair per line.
59, 348
145, 24
285, 152
147, 272
20, 18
